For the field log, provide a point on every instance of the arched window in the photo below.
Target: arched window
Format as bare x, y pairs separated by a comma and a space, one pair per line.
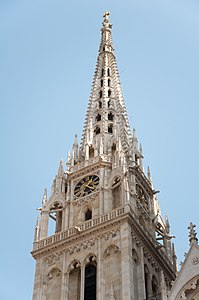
113, 149
98, 118
88, 214
101, 82
109, 93
91, 151
97, 130
116, 192
109, 103
90, 285
108, 72
74, 281
55, 218
110, 116
100, 104
102, 72
103, 48
109, 82
110, 128
100, 94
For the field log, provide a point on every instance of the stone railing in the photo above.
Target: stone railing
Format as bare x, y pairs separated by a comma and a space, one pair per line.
79, 228
93, 160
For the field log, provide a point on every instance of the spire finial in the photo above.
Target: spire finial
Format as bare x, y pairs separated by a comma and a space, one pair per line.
106, 23
192, 234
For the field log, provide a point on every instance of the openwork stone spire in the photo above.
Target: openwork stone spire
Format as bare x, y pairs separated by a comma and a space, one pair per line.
106, 118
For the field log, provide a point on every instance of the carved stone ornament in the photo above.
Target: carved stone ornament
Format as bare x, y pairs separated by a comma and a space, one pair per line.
91, 258
53, 258
74, 265
110, 250
188, 290
110, 234
53, 273
195, 260
86, 199
82, 246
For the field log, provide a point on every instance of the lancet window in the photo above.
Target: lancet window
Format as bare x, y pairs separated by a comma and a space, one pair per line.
98, 118
90, 285
110, 116
110, 128
88, 214
97, 130
55, 216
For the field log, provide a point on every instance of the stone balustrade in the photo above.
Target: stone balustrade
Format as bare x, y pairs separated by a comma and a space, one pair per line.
72, 231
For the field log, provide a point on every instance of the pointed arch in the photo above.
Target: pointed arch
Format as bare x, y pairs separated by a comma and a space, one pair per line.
90, 258
55, 216
53, 284
112, 271
74, 284
90, 278
116, 192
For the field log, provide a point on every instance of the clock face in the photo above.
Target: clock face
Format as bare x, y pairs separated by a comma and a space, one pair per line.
86, 186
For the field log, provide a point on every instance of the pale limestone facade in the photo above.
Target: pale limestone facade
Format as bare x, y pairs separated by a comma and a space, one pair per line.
110, 241
186, 285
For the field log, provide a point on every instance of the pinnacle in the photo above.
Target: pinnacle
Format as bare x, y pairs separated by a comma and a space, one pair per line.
192, 234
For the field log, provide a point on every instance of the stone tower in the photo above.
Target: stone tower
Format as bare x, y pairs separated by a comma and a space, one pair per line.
110, 241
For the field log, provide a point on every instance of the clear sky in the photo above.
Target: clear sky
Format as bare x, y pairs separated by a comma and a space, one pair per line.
48, 52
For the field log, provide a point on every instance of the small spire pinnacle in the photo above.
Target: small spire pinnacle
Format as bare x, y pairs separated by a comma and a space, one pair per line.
149, 174
44, 200
60, 170
140, 149
37, 229
134, 133
75, 140
105, 22
174, 258
141, 157
192, 234
167, 224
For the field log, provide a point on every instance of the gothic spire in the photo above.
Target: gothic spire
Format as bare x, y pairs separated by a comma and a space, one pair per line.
106, 116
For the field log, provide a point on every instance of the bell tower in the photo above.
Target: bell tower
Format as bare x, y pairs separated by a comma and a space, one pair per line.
109, 240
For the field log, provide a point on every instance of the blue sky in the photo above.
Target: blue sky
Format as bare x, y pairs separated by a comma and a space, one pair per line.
48, 54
